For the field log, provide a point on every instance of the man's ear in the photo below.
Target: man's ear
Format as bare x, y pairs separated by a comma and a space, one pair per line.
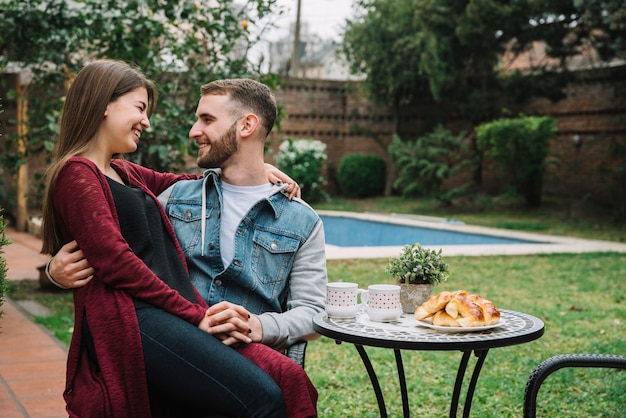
249, 125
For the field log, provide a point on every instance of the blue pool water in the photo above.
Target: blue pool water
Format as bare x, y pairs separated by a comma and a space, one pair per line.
350, 232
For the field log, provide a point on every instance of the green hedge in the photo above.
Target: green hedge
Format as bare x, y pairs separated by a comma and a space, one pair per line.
361, 175
519, 147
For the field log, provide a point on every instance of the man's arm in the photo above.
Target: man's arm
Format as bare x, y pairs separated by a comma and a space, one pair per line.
306, 297
68, 268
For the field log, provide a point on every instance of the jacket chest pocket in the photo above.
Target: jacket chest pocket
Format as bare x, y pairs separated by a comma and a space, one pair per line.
272, 256
186, 219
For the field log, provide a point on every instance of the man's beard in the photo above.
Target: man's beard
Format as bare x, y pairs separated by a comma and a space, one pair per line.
221, 150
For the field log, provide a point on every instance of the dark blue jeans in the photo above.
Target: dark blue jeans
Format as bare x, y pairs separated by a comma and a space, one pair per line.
194, 373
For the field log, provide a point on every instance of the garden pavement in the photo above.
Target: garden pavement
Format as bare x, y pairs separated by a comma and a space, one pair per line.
32, 360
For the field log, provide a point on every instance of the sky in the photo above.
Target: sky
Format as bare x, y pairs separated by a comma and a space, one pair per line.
323, 17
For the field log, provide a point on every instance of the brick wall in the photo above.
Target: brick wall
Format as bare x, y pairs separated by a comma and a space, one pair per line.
337, 113
332, 111
594, 112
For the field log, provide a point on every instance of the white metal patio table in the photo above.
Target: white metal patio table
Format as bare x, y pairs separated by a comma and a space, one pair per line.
406, 334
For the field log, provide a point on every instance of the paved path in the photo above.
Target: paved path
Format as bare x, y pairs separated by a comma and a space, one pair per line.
32, 361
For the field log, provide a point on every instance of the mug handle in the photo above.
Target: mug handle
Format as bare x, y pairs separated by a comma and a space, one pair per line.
364, 298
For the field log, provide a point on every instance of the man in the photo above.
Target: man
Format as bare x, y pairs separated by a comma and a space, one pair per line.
245, 242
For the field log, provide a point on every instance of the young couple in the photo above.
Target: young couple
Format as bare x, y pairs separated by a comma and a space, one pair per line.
145, 341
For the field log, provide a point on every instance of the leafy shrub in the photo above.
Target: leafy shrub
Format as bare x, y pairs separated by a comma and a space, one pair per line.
3, 241
519, 146
302, 160
3, 262
362, 175
425, 163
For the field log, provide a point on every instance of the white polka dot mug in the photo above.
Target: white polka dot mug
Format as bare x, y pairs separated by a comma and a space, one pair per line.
382, 302
342, 299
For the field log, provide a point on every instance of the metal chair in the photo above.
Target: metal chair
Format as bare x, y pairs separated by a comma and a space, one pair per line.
552, 364
296, 352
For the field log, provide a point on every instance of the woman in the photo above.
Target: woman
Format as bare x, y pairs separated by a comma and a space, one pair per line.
141, 345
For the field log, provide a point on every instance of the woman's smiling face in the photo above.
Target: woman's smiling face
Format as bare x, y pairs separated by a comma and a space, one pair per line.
124, 121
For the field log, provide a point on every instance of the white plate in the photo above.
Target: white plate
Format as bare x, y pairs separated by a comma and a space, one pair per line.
428, 324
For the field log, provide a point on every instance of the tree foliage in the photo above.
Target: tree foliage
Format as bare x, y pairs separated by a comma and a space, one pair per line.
605, 24
180, 44
520, 146
457, 52
377, 45
455, 47
4, 241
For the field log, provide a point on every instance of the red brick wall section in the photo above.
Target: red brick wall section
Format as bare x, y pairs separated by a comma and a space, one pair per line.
330, 111
594, 114
594, 111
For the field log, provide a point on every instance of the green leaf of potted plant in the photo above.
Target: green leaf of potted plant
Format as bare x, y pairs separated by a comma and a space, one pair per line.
417, 270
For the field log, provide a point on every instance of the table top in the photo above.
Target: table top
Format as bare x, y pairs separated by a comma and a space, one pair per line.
407, 334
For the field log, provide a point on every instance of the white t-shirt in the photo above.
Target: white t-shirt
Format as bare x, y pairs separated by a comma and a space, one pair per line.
237, 202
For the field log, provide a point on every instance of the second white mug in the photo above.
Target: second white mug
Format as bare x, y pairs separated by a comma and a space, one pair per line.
382, 302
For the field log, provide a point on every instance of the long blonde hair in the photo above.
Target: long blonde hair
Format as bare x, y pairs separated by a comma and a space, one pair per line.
96, 85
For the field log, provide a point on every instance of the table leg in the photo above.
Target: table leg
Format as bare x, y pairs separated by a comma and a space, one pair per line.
370, 371
456, 393
402, 380
481, 354
454, 404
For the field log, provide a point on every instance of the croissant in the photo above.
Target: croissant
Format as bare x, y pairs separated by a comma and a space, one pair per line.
490, 312
465, 311
442, 319
434, 304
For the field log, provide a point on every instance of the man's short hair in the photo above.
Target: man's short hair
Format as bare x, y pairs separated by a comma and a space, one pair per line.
246, 94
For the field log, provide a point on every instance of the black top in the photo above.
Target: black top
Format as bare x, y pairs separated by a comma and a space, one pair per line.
142, 227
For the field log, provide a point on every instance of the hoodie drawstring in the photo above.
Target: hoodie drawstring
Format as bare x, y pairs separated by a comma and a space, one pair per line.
203, 220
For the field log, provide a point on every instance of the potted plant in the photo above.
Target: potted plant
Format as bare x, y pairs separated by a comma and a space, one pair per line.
417, 270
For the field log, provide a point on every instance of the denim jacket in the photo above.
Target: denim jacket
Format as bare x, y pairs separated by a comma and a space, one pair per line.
279, 268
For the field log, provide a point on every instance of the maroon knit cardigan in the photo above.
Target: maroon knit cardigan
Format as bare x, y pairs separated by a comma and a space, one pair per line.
85, 211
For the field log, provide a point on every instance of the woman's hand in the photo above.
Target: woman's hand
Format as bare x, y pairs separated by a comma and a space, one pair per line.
232, 324
275, 176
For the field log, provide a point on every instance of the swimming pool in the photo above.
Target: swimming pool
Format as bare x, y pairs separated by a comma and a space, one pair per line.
351, 232
348, 239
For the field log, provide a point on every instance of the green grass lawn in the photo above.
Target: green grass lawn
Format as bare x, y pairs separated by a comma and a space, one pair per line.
580, 297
